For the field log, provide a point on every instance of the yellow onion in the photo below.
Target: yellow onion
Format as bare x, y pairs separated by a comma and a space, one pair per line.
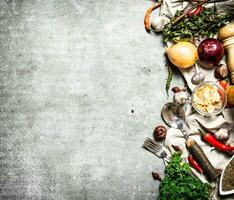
183, 54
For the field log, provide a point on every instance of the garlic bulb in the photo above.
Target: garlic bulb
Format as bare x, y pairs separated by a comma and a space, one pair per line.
158, 23
180, 97
198, 77
222, 134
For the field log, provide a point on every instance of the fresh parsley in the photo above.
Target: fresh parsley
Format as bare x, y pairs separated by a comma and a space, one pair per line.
179, 184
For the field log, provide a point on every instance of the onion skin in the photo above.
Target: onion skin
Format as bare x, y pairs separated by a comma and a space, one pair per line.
210, 51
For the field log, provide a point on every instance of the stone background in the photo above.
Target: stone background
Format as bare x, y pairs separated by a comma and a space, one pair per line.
72, 73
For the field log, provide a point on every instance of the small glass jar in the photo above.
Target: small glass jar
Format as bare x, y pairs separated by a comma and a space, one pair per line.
220, 90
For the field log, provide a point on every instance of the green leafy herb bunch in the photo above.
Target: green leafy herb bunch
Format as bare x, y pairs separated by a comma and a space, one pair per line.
206, 23
179, 184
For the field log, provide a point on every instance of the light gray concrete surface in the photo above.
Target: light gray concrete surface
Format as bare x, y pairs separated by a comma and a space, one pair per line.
71, 72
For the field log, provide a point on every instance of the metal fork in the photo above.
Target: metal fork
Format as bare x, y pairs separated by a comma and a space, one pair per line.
155, 148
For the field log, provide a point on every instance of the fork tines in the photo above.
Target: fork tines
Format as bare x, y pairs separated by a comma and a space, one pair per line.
151, 146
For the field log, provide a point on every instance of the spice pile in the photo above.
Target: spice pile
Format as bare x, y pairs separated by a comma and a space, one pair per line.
228, 180
200, 41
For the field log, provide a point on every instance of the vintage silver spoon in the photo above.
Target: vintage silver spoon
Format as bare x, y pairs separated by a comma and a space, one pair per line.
174, 116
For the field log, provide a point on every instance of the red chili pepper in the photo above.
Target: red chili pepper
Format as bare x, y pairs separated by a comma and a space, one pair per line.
209, 138
196, 11
224, 83
194, 163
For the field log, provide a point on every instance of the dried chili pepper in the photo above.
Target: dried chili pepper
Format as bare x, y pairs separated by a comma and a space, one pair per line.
209, 138
147, 16
185, 13
194, 163
196, 11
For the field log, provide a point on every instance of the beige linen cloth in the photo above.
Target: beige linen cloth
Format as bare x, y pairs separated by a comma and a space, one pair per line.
226, 119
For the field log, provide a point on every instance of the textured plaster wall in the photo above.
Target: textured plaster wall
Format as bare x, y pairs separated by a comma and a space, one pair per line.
71, 73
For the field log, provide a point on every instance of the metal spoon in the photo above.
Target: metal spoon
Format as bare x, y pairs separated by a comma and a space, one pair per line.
174, 116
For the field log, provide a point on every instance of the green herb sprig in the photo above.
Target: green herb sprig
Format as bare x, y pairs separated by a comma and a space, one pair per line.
169, 78
179, 184
206, 23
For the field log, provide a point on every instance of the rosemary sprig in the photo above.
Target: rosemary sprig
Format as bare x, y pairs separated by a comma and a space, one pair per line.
207, 22
169, 78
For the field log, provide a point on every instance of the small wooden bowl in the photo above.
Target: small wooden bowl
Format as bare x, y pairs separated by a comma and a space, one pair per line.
221, 180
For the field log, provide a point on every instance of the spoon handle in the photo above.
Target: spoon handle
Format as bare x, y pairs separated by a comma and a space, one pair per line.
201, 159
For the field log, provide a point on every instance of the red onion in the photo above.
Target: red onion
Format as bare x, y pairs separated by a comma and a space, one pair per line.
210, 51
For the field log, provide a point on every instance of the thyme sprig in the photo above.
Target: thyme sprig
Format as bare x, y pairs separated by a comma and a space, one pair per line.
206, 23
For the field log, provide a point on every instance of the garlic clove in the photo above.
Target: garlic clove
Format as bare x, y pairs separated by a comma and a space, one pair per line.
181, 97
158, 23
222, 134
